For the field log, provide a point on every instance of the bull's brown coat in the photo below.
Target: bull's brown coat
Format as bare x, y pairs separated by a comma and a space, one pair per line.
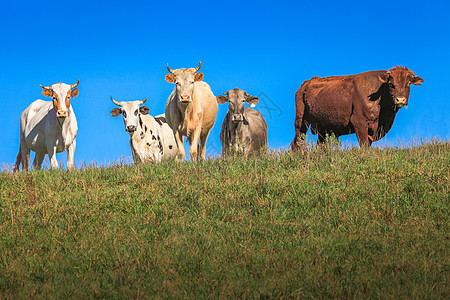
365, 104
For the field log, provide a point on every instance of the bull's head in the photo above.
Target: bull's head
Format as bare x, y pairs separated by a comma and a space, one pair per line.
236, 99
130, 111
399, 80
184, 80
61, 94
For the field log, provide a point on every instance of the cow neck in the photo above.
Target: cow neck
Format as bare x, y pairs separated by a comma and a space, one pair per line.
235, 130
388, 111
186, 110
64, 125
139, 135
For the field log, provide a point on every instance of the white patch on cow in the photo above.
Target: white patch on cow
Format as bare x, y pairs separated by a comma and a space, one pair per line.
61, 89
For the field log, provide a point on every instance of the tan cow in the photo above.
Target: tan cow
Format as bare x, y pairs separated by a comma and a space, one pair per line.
190, 110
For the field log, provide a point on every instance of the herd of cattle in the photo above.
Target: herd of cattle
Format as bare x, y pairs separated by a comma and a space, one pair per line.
365, 104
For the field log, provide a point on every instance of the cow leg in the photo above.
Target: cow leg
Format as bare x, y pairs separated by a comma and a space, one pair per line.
38, 159
25, 153
70, 155
362, 132
301, 126
194, 143
51, 150
179, 141
203, 140
16, 167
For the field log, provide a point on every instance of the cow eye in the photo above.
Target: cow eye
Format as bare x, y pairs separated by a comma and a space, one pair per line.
178, 83
124, 114
192, 82
136, 112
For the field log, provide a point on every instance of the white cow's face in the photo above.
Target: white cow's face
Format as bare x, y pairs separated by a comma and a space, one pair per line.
130, 111
61, 94
184, 81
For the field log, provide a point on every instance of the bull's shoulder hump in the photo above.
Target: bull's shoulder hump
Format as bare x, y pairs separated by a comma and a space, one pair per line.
40, 104
202, 84
249, 112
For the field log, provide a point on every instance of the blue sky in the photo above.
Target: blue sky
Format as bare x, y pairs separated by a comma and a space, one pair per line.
120, 49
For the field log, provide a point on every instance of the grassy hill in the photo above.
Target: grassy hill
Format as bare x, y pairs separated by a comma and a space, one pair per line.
365, 223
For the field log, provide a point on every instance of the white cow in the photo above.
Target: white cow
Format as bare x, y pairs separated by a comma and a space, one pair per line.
48, 127
151, 139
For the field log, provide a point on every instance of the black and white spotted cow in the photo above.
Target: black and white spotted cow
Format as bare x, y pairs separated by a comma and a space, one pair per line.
151, 139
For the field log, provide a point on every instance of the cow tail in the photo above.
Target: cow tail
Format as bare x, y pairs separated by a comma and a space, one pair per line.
18, 160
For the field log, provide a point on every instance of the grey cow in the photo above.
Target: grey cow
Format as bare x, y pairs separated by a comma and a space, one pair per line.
243, 130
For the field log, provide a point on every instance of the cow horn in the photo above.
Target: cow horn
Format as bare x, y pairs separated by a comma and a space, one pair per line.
115, 102
142, 101
46, 87
169, 69
199, 66
75, 85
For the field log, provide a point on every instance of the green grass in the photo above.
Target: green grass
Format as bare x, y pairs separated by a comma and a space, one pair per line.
358, 223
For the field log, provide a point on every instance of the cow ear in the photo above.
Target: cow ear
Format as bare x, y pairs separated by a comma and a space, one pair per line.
198, 76
221, 99
252, 100
144, 110
46, 92
73, 93
417, 80
384, 78
170, 78
115, 112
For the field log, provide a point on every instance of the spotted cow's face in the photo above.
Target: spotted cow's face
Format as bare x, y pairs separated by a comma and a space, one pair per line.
184, 81
61, 94
399, 80
130, 111
236, 99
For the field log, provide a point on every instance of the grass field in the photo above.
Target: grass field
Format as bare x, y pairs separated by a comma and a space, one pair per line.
358, 223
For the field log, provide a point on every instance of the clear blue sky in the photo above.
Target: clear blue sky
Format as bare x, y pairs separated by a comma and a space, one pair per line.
121, 49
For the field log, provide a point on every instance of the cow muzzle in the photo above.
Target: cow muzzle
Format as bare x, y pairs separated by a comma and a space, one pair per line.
61, 114
401, 101
237, 118
130, 128
185, 98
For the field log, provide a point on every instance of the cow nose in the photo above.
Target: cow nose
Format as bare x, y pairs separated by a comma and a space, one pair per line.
61, 114
131, 128
185, 97
237, 118
401, 101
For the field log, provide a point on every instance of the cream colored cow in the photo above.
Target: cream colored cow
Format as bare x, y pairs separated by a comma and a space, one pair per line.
190, 110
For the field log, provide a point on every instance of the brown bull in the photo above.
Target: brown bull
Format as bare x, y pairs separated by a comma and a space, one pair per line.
365, 104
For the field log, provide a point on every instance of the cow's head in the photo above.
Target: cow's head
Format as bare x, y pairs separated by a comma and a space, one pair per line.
130, 111
236, 99
184, 80
399, 80
61, 94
